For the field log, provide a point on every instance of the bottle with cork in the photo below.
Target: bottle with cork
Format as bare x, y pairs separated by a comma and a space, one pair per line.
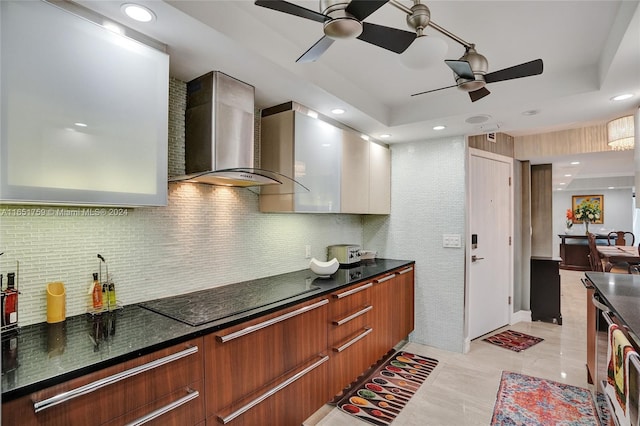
96, 293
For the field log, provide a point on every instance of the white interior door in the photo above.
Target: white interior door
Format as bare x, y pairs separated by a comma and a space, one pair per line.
490, 220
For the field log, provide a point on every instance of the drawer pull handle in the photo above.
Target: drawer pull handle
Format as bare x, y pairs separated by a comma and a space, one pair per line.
387, 278
261, 325
354, 340
98, 384
352, 291
598, 304
404, 271
191, 394
272, 391
352, 316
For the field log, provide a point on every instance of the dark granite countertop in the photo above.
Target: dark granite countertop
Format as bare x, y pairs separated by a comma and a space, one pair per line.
42, 355
621, 292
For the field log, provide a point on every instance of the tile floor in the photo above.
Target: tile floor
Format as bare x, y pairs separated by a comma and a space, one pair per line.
462, 389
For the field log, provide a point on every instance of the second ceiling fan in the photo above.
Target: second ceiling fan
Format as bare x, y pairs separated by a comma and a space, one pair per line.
343, 20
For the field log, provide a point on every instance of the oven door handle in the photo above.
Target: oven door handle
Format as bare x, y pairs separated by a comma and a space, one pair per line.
598, 304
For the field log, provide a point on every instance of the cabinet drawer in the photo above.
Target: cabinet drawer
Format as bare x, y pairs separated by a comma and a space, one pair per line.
180, 408
342, 327
350, 358
102, 396
346, 301
245, 359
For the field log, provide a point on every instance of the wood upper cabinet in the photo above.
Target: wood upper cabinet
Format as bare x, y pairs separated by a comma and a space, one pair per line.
167, 384
343, 172
254, 366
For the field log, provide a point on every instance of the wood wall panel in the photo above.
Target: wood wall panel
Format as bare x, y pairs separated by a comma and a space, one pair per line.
541, 211
564, 142
504, 144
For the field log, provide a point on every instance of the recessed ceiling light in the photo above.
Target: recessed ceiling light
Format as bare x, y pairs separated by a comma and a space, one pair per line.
622, 97
385, 135
138, 12
439, 127
531, 112
562, 183
611, 187
80, 124
575, 163
567, 175
337, 111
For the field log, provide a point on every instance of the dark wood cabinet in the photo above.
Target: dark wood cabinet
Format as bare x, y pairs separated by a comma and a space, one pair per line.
574, 251
169, 381
253, 366
545, 289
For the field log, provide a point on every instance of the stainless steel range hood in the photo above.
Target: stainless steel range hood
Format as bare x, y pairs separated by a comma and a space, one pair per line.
219, 134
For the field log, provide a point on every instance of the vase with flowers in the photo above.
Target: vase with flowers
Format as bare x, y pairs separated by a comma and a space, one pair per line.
569, 221
587, 212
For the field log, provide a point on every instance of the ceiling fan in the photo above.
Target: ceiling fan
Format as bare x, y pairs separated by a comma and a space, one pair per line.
471, 75
343, 19
470, 70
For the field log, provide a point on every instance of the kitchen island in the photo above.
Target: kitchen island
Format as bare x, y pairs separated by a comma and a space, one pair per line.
43, 356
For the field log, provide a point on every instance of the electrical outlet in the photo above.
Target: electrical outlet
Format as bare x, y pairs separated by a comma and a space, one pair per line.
451, 240
307, 252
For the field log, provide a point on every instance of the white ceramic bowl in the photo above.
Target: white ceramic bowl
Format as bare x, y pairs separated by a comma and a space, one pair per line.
324, 269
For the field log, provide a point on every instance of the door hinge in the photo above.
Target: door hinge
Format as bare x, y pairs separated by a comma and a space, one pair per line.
509, 300
509, 180
509, 239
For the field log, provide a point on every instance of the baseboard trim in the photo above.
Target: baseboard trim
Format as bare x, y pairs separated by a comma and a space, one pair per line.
520, 316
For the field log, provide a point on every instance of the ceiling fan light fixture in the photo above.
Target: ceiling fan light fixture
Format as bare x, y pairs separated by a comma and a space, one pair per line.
424, 52
620, 133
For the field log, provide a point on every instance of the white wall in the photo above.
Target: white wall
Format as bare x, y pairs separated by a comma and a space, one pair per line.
618, 213
428, 200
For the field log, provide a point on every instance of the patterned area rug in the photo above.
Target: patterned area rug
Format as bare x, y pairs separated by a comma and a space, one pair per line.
531, 401
380, 397
513, 340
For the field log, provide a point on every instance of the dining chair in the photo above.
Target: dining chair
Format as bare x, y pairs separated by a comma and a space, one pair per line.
594, 257
621, 238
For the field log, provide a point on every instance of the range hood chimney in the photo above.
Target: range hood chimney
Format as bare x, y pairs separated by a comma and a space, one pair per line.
219, 134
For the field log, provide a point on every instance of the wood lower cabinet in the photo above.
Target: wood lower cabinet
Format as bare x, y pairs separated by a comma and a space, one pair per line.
166, 384
350, 334
272, 368
393, 301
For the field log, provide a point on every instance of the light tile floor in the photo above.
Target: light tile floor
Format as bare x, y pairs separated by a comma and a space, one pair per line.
462, 389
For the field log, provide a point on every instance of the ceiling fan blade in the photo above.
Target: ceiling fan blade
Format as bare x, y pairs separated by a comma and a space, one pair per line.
316, 50
360, 9
292, 9
478, 94
461, 68
388, 38
518, 71
434, 90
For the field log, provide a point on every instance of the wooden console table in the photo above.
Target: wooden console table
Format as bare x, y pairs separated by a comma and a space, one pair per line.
574, 251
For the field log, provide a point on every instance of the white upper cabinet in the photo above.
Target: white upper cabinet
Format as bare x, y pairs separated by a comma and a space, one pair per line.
343, 172
84, 111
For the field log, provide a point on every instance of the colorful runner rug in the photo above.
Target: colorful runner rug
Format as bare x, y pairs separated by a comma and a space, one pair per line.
380, 397
513, 340
531, 401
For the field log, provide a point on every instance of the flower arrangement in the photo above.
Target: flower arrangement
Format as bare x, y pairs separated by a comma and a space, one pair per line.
570, 218
587, 211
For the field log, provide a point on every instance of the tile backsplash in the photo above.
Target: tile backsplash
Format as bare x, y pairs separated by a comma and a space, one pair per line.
207, 236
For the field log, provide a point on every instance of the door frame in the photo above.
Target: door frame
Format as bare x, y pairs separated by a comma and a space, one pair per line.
509, 262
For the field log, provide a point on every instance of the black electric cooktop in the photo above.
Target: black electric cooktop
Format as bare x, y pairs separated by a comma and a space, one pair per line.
205, 306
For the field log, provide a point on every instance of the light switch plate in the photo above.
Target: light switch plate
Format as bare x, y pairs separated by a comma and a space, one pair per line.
451, 240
